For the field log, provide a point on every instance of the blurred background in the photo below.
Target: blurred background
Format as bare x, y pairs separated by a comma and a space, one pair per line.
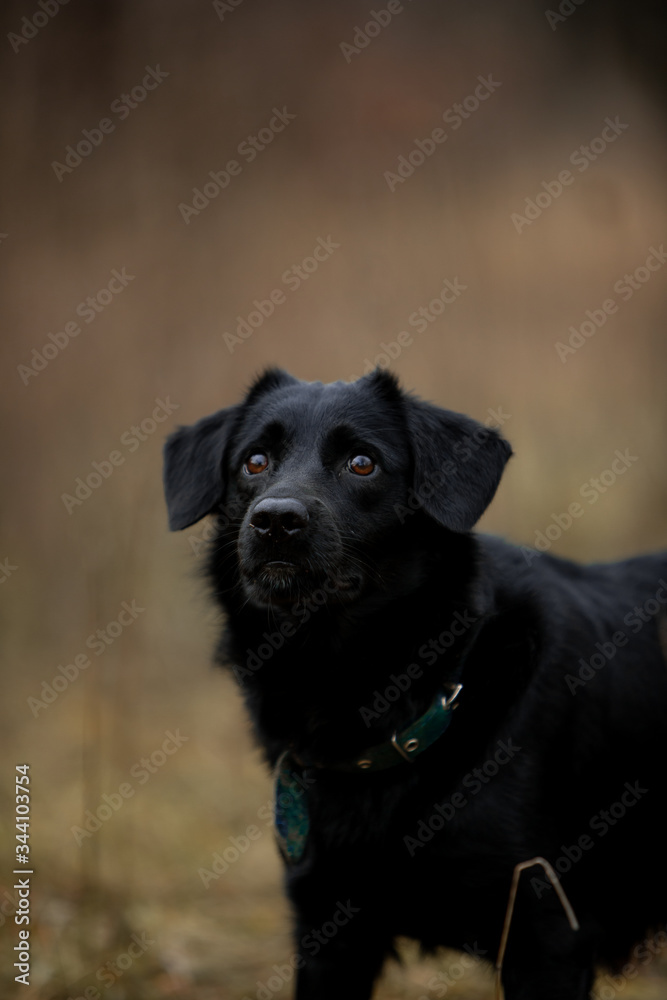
137, 266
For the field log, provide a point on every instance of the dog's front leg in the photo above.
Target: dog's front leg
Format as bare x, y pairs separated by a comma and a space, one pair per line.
531, 980
338, 961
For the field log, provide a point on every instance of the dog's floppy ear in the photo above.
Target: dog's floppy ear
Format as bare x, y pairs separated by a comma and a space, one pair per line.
458, 464
193, 483
193, 472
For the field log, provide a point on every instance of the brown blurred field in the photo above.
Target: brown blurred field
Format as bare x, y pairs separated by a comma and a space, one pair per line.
162, 338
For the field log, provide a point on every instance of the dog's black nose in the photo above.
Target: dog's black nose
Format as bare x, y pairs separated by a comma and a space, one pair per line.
277, 516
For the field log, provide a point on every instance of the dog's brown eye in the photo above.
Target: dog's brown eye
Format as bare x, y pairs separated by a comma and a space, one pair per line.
362, 465
256, 463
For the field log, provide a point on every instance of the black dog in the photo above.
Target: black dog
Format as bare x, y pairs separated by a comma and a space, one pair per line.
357, 602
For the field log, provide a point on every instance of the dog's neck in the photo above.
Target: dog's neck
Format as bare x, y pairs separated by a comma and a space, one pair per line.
334, 679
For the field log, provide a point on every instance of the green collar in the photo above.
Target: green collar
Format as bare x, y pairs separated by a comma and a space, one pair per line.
410, 742
291, 801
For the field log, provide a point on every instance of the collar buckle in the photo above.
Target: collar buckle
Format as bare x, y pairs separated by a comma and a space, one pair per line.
456, 691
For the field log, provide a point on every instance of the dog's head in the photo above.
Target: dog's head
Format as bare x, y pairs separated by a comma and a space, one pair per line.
317, 483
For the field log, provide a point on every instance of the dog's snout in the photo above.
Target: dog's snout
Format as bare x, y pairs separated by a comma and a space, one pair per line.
278, 516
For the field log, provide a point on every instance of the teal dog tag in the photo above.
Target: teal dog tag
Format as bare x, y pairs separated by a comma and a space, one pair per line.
290, 810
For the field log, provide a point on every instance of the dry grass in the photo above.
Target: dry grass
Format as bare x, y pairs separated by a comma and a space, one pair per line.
162, 337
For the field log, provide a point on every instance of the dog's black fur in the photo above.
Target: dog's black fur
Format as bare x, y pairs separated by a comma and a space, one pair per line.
342, 580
